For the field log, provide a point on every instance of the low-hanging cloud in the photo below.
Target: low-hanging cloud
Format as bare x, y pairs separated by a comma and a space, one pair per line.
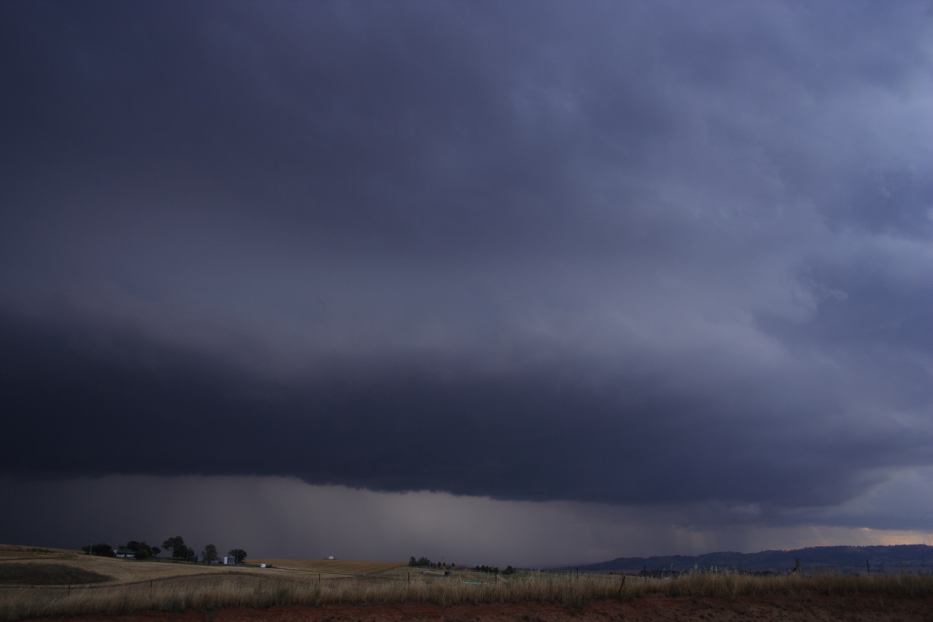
283, 517
638, 254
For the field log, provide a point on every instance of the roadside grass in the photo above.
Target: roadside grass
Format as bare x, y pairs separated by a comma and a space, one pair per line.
574, 592
732, 585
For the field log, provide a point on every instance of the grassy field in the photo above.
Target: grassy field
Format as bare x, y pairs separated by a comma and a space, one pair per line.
116, 571
12, 552
47, 574
341, 567
176, 587
248, 590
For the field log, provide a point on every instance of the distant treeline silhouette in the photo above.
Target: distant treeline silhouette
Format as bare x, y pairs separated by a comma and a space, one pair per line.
176, 545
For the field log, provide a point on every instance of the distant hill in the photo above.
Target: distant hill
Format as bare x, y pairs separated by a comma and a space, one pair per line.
900, 558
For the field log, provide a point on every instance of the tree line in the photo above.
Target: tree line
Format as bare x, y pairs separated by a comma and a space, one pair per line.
175, 545
424, 562
494, 569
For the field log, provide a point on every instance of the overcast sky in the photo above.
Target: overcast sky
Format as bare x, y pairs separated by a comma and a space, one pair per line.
517, 282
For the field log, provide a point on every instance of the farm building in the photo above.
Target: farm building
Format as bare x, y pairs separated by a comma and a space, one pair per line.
124, 553
229, 560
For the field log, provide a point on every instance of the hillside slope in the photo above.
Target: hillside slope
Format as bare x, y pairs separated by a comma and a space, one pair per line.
899, 558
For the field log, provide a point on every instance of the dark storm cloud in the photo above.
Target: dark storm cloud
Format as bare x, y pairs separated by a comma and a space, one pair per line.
639, 253
110, 402
287, 518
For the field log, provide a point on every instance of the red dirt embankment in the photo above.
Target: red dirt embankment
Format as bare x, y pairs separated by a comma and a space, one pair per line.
859, 608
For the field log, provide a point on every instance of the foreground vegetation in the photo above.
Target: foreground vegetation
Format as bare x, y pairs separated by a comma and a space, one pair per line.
47, 574
215, 592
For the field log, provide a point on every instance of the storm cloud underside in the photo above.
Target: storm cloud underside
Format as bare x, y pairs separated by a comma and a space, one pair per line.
642, 254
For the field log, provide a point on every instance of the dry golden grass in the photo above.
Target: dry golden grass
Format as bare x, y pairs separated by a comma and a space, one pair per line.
123, 571
255, 590
19, 552
48, 573
344, 567
155, 585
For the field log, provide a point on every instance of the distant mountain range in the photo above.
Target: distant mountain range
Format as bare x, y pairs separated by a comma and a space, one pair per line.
900, 558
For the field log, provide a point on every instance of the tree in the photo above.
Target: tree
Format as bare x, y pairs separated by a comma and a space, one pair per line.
238, 555
103, 550
176, 545
141, 550
210, 554
155, 551
173, 543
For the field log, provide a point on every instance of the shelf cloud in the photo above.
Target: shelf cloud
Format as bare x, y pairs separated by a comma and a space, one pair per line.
644, 254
